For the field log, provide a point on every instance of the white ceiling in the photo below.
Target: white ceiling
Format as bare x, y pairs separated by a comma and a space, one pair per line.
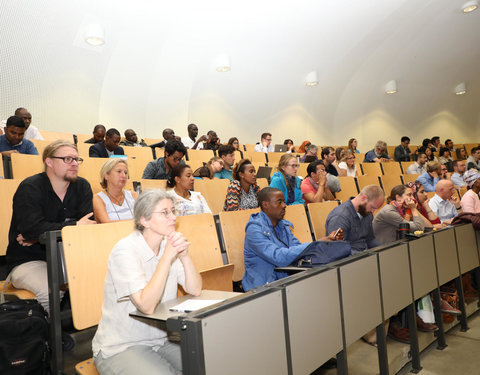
156, 68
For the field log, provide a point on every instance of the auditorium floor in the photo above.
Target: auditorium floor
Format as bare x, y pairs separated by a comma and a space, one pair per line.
460, 357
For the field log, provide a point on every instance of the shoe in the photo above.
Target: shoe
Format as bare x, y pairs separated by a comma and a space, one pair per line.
425, 327
470, 294
330, 364
68, 343
446, 308
399, 334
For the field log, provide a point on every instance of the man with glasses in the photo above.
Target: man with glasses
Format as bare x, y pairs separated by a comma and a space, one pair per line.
161, 168
13, 140
44, 202
265, 144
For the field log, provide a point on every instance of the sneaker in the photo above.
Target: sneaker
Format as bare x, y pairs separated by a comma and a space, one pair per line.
446, 308
425, 327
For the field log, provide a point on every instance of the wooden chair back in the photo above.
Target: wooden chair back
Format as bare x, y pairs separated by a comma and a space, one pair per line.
409, 178
302, 170
233, 229
349, 188
249, 147
367, 180
24, 165
153, 184
389, 181
214, 191
53, 136
86, 249
391, 168
274, 157
462, 191
2, 173
83, 149
152, 141
371, 169
41, 144
199, 155
298, 217
143, 153
318, 216
258, 157
262, 182
90, 168
405, 165
81, 138
7, 191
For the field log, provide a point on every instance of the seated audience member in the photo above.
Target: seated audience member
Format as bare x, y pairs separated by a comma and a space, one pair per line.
422, 199
108, 147
435, 143
131, 139
269, 242
470, 201
430, 178
114, 203
339, 152
13, 140
347, 165
215, 164
310, 150
329, 160
419, 167
287, 181
352, 145
458, 171
443, 172
461, 154
161, 168
234, 143
449, 145
227, 153
98, 134
31, 132
289, 144
191, 140
188, 202
315, 186
302, 148
428, 151
43, 202
445, 156
427, 143
265, 144
213, 142
144, 269
378, 154
402, 152
445, 203
243, 189
473, 161
401, 208
355, 218
168, 136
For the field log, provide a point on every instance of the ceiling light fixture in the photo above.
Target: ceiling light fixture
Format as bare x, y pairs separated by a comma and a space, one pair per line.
312, 78
391, 87
461, 89
94, 35
469, 6
222, 63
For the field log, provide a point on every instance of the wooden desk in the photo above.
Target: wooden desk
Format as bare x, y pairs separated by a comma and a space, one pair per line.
162, 312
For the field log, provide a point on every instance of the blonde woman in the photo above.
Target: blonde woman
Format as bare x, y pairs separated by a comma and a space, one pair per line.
114, 203
347, 164
287, 181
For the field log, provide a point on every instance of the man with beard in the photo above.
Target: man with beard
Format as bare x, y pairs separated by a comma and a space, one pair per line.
355, 218
43, 202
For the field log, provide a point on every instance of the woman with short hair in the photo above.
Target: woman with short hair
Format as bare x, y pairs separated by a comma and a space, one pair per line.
114, 203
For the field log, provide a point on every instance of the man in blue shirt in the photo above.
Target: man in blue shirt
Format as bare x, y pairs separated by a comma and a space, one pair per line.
13, 140
355, 218
378, 155
430, 178
227, 153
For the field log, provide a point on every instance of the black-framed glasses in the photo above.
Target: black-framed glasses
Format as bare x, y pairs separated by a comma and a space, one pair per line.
68, 159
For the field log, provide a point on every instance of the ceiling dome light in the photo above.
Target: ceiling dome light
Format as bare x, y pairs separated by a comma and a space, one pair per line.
391, 87
222, 63
312, 78
469, 6
461, 89
94, 35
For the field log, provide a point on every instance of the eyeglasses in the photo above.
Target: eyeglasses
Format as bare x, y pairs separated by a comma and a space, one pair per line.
68, 159
166, 212
293, 165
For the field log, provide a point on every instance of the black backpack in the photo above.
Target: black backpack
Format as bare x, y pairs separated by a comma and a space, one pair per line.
23, 338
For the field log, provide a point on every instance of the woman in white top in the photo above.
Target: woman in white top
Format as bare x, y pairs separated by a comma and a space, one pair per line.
347, 164
188, 202
144, 269
114, 203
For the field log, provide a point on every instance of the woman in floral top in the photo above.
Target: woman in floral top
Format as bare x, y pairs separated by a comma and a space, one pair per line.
242, 191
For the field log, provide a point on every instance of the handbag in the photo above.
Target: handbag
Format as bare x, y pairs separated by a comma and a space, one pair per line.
319, 253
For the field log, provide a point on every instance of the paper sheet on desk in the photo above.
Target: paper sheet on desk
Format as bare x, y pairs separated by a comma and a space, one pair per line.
194, 304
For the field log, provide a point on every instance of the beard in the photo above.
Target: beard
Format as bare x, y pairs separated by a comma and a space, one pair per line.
70, 177
362, 210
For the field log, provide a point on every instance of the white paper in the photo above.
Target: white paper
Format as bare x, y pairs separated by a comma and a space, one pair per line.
194, 304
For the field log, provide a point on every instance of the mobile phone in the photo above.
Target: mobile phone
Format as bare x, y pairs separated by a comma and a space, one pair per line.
338, 230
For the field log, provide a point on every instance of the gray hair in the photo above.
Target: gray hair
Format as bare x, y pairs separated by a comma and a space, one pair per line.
146, 203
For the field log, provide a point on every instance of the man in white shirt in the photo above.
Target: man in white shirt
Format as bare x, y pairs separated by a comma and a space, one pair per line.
31, 132
265, 144
459, 168
190, 142
445, 204
419, 166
